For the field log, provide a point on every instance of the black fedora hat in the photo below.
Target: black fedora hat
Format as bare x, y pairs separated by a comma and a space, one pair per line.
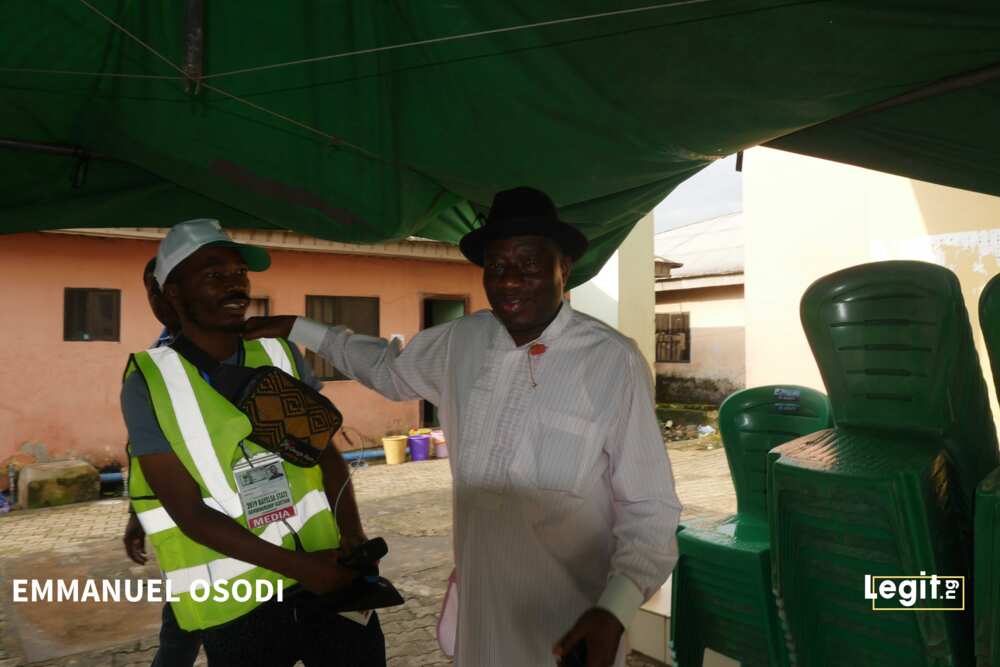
522, 211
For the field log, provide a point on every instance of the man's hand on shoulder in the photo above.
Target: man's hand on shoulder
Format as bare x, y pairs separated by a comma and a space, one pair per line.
600, 630
279, 326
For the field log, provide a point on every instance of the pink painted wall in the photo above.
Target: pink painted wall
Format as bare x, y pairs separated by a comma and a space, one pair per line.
65, 394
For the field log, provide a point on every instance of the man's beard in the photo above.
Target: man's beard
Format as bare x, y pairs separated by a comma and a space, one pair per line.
192, 316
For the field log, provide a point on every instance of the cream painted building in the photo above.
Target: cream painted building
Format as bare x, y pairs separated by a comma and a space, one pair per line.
700, 346
806, 218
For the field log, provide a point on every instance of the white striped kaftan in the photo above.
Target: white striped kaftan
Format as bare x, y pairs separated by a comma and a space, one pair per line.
564, 496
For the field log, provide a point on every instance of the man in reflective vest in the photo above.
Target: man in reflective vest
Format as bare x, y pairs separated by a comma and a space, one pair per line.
225, 536
178, 648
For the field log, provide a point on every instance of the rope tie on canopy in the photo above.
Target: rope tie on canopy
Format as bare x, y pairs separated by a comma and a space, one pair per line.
194, 44
197, 76
199, 83
191, 75
195, 79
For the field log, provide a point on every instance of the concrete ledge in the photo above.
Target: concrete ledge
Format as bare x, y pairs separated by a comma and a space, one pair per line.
650, 629
649, 633
57, 483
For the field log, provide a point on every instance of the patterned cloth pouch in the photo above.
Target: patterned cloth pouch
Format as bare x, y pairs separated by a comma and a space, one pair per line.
288, 417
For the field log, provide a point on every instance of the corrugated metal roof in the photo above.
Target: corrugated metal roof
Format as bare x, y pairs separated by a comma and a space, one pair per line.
706, 248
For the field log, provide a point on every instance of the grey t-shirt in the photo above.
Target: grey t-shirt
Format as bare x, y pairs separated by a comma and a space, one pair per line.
144, 433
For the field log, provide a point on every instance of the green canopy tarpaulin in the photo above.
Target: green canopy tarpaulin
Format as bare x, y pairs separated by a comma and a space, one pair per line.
362, 121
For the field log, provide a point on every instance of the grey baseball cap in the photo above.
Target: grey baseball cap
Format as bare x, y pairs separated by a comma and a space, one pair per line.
185, 238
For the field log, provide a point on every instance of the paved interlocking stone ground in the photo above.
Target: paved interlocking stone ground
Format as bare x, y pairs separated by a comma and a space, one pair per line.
409, 505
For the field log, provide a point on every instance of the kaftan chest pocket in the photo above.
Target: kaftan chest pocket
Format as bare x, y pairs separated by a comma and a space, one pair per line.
565, 450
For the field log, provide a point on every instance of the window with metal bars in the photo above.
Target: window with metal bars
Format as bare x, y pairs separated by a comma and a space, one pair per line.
673, 337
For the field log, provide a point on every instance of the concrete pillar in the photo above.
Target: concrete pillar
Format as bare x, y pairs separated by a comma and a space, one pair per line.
623, 294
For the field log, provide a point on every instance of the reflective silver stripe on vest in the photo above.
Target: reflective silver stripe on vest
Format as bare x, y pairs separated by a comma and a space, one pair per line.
157, 520
275, 350
193, 429
308, 506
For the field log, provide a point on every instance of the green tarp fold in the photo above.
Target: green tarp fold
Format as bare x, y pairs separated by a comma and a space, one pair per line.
607, 113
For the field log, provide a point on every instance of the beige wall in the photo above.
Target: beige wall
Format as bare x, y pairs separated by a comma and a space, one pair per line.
65, 394
807, 217
623, 294
637, 288
716, 320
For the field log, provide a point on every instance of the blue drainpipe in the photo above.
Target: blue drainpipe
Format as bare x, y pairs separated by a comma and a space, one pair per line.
366, 454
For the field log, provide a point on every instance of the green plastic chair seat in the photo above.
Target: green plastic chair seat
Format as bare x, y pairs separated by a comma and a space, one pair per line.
722, 598
986, 584
845, 504
722, 583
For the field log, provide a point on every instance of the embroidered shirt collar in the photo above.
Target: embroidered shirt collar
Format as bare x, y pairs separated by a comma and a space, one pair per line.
503, 338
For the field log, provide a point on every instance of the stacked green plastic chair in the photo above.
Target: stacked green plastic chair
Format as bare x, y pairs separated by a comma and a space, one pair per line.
986, 583
722, 583
987, 523
889, 490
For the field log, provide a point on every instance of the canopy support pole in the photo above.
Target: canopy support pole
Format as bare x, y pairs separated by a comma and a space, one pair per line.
194, 44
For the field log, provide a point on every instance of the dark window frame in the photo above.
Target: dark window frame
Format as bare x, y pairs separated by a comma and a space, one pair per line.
361, 314
256, 300
92, 314
673, 338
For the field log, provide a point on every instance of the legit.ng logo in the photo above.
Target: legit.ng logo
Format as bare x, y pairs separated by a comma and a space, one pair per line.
923, 592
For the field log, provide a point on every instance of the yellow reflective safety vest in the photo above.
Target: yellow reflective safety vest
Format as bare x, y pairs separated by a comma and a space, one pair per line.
206, 431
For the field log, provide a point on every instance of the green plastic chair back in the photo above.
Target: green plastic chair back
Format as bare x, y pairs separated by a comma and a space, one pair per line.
987, 522
986, 584
989, 322
895, 349
722, 583
754, 421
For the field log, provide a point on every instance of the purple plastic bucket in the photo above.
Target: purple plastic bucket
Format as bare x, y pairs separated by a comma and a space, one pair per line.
420, 447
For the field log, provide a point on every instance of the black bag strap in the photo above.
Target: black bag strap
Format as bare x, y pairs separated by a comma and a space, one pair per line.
201, 359
229, 380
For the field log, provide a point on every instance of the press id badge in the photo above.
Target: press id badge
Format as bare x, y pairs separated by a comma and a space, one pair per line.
263, 490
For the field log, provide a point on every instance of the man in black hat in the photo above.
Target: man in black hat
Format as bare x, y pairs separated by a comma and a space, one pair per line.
565, 509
